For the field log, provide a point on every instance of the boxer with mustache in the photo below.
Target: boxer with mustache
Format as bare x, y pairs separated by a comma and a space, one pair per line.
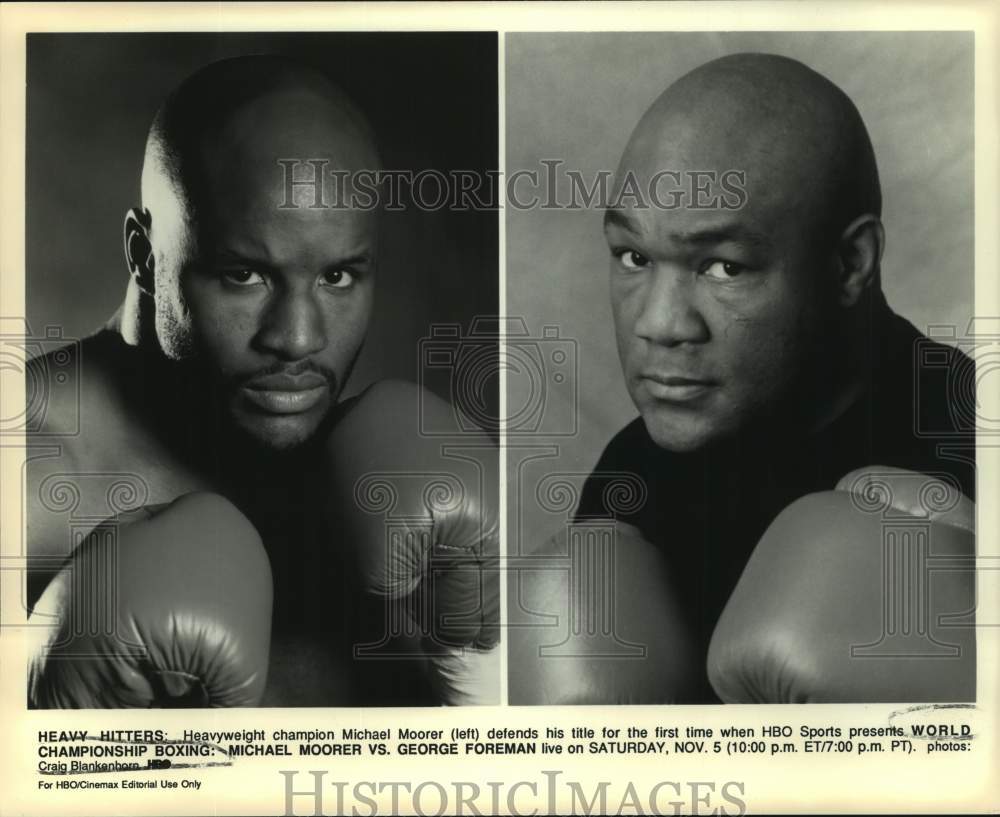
778, 439
257, 566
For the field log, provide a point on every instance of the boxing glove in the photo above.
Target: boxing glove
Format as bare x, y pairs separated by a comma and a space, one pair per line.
861, 594
160, 607
592, 619
417, 516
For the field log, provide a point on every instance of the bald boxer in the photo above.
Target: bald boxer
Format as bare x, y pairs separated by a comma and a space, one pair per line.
220, 378
766, 365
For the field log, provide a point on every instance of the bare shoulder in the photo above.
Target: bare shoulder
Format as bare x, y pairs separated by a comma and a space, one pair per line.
63, 394
90, 453
62, 382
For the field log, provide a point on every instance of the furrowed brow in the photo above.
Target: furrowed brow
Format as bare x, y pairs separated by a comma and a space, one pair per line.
227, 255
358, 259
736, 235
619, 219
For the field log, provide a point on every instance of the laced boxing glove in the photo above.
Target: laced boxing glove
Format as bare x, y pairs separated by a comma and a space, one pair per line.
417, 515
165, 606
848, 596
592, 619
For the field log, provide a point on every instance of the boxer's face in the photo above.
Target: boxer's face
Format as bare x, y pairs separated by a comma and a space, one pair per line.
279, 306
273, 302
717, 313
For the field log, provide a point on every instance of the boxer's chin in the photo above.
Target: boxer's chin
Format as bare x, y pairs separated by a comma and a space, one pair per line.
280, 432
688, 427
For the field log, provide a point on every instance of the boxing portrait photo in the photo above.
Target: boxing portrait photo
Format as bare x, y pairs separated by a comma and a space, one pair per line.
251, 477
732, 374
499, 408
758, 248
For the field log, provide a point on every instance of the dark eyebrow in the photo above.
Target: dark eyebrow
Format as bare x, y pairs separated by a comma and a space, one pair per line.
717, 235
735, 234
619, 219
350, 261
226, 255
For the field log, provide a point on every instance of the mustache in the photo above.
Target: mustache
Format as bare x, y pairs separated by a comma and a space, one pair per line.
279, 368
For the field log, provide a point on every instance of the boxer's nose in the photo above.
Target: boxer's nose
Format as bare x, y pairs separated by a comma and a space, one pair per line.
293, 326
668, 314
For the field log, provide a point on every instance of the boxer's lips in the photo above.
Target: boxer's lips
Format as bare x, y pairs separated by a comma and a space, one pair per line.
676, 388
286, 394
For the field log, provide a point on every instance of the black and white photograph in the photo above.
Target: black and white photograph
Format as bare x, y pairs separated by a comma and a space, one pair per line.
244, 485
499, 408
760, 483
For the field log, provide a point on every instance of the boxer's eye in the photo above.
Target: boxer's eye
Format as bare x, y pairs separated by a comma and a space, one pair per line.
630, 259
242, 277
338, 278
723, 270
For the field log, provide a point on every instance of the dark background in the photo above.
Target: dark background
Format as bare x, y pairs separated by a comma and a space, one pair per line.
432, 99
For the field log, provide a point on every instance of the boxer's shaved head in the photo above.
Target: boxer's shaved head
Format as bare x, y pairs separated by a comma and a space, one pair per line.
722, 304
250, 273
797, 135
211, 108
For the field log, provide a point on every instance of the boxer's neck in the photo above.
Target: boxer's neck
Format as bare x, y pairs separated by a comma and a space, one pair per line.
178, 402
135, 318
837, 376
841, 376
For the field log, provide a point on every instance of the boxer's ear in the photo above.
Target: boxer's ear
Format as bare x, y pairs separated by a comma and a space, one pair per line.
139, 249
859, 254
